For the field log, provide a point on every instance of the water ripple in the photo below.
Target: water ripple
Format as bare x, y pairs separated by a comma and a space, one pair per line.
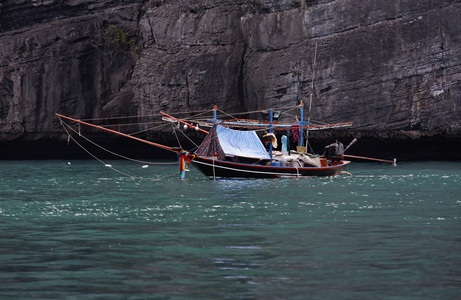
81, 231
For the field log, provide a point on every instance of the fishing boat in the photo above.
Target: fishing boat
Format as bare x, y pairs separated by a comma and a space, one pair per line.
233, 149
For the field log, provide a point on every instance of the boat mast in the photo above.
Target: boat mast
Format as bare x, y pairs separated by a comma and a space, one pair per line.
215, 119
270, 131
301, 124
312, 92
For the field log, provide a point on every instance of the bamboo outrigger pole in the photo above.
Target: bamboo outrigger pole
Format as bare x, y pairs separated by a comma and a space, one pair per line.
394, 162
120, 133
183, 122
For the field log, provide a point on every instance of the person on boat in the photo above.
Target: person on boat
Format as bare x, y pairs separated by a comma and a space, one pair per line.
334, 152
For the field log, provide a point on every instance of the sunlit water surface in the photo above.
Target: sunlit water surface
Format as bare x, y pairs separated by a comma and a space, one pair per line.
79, 230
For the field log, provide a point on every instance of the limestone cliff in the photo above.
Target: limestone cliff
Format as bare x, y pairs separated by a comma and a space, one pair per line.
57, 56
391, 67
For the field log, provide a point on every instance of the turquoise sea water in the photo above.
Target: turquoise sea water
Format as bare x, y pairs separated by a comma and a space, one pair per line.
79, 230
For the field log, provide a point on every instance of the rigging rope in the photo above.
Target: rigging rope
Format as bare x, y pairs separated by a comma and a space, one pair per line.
264, 110
176, 135
130, 124
144, 116
192, 118
108, 165
190, 140
109, 151
226, 114
144, 130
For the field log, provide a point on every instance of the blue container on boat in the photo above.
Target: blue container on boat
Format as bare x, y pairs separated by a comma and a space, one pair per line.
275, 164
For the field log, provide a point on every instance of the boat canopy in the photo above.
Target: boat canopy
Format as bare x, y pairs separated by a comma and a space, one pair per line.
224, 141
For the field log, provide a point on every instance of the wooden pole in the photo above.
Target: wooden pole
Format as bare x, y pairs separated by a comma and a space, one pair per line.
181, 121
312, 92
120, 133
370, 158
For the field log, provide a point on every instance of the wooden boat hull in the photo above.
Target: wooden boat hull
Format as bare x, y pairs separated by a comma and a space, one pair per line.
225, 169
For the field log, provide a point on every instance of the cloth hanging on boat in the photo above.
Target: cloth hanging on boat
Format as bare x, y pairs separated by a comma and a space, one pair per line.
295, 132
241, 143
210, 146
284, 144
274, 142
224, 141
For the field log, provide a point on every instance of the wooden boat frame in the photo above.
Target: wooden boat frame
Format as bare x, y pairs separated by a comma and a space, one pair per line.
214, 168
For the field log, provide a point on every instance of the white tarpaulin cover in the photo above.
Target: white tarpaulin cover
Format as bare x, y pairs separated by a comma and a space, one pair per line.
241, 143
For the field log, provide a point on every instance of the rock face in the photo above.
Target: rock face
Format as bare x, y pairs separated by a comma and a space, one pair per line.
391, 67
56, 56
